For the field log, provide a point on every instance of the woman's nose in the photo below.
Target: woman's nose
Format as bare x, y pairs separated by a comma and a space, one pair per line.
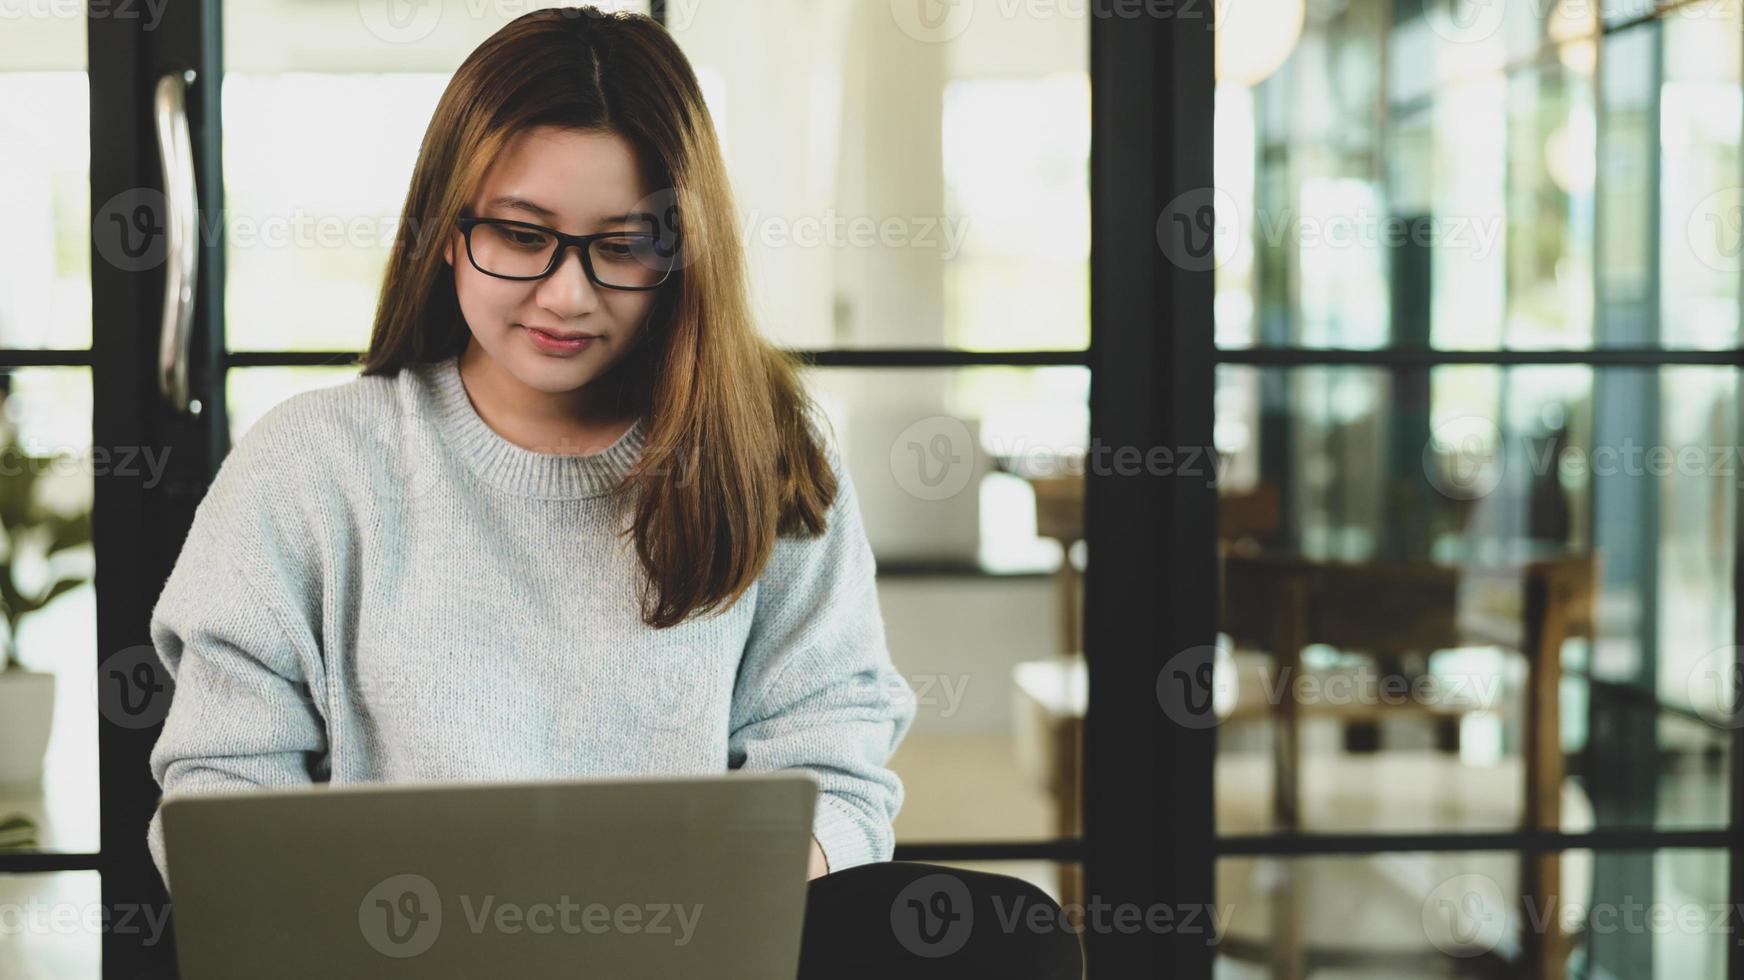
567, 291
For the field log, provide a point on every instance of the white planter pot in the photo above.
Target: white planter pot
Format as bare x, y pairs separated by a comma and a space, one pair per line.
26, 716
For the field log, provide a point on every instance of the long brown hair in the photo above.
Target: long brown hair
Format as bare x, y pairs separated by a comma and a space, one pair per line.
733, 457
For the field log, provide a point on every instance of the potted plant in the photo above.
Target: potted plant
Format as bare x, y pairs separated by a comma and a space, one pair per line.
17, 833
30, 534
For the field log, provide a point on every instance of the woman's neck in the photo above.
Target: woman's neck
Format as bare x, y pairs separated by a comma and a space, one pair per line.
584, 421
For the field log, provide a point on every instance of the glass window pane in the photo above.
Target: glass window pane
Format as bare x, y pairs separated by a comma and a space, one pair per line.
251, 392
905, 195
324, 108
51, 925
1383, 537
1549, 205
49, 710
1468, 915
1464, 201
1442, 43
965, 487
918, 247
1620, 11
1701, 105
45, 178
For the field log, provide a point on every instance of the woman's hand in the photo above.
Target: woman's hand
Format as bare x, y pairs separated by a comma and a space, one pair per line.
819, 866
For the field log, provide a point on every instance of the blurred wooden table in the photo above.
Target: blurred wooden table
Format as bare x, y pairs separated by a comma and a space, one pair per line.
1281, 603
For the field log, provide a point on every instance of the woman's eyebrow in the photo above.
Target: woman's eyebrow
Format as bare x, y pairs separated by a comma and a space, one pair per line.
513, 203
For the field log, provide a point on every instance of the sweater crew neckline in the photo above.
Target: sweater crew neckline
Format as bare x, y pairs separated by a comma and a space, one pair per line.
517, 469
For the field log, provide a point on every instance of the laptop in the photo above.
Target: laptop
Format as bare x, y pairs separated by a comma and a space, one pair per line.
655, 876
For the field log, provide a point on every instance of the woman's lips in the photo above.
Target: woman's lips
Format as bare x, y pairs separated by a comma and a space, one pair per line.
556, 345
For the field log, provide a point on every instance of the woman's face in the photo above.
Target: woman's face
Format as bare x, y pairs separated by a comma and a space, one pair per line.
576, 182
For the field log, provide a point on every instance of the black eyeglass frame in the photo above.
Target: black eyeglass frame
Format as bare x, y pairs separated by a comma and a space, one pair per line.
564, 243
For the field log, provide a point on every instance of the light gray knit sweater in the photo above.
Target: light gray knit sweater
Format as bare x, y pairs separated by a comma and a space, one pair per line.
380, 587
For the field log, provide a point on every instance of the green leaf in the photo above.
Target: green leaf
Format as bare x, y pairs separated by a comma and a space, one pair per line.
18, 832
55, 591
68, 532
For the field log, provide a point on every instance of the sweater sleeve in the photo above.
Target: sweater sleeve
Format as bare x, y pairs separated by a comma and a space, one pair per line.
233, 628
817, 690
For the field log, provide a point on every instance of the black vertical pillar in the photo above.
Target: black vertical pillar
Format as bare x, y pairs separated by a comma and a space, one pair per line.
139, 529
1151, 592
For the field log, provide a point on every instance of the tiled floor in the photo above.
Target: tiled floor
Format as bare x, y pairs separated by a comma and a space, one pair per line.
1379, 908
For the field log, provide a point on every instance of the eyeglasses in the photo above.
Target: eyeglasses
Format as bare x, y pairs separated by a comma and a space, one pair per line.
523, 251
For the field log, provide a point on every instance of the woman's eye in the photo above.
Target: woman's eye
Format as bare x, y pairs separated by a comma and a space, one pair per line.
520, 238
623, 249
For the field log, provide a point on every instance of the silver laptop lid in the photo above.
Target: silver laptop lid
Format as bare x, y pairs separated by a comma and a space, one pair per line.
655, 876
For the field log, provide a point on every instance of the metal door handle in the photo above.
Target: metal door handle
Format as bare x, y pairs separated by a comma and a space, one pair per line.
182, 260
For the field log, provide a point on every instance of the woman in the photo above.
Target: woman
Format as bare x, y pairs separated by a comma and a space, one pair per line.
575, 518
